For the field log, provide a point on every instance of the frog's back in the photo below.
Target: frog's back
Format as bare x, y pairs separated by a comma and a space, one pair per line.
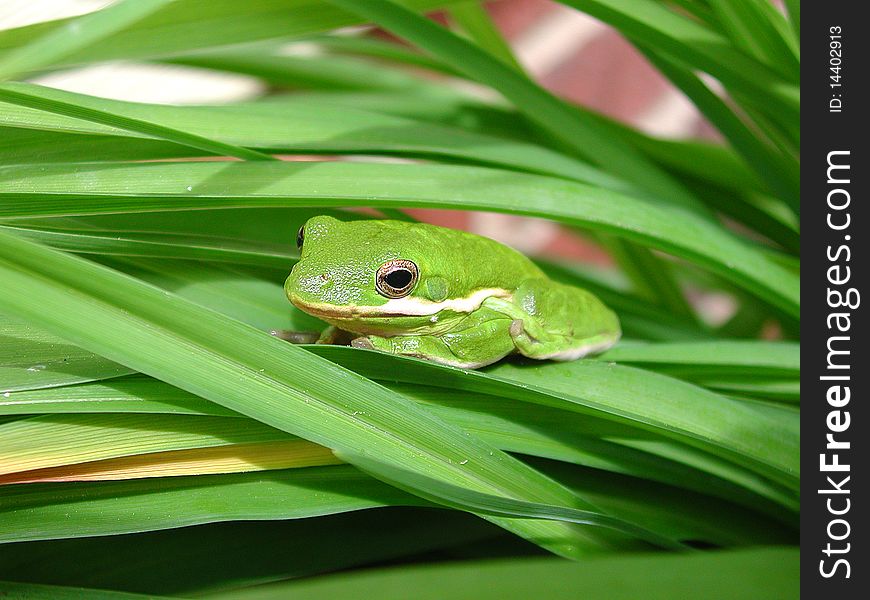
466, 260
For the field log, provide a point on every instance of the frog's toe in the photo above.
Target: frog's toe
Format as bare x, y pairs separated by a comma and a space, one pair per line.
520, 335
295, 337
362, 342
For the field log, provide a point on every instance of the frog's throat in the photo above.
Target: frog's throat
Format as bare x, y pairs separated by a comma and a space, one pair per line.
401, 307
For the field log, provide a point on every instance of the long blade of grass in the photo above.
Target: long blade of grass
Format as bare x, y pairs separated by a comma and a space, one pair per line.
584, 136
235, 458
37, 591
157, 245
31, 358
308, 72
302, 126
247, 228
702, 160
783, 132
755, 438
732, 357
652, 278
245, 553
759, 572
556, 434
57, 440
75, 35
785, 499
773, 220
780, 173
760, 30
50, 190
463, 499
364, 45
471, 17
181, 27
261, 498
46, 99
24, 146
131, 394
40, 511
652, 24
688, 514
251, 372
794, 16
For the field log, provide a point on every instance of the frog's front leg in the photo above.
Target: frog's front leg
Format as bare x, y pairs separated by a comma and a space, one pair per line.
335, 336
295, 337
330, 335
478, 341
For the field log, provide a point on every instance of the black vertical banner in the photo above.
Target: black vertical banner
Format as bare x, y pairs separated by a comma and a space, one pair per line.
835, 562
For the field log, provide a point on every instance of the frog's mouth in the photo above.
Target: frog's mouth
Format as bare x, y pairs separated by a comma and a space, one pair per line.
399, 307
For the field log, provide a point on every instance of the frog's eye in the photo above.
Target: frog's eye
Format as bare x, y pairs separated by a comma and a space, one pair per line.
396, 278
300, 237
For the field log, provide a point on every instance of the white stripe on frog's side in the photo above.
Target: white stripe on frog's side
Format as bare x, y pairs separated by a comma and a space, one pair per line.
589, 347
407, 306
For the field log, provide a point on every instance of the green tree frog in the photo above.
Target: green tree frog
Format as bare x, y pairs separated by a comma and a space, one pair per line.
448, 296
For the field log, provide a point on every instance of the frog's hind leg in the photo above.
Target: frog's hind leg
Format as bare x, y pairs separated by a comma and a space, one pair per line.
481, 342
533, 341
557, 322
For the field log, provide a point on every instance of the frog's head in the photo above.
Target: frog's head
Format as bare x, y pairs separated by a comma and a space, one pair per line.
368, 276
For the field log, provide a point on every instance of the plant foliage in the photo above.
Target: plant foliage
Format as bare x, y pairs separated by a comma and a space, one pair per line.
144, 405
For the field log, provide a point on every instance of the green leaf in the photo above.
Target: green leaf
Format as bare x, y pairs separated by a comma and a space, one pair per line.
298, 126
47, 99
56, 440
40, 511
31, 358
556, 434
676, 512
54, 190
777, 170
22, 146
35, 591
749, 435
760, 30
364, 45
752, 573
652, 277
785, 390
650, 23
585, 136
474, 21
224, 555
456, 497
309, 72
160, 245
75, 35
794, 16
200, 24
748, 358
133, 394
231, 290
